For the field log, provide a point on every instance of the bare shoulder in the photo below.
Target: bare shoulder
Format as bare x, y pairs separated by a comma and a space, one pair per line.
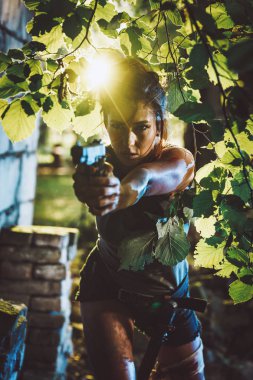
171, 152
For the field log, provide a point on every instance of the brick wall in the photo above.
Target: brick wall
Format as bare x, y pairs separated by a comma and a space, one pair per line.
35, 270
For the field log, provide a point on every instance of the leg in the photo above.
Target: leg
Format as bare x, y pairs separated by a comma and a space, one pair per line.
183, 362
108, 331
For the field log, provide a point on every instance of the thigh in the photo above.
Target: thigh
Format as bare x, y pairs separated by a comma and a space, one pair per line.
108, 330
184, 362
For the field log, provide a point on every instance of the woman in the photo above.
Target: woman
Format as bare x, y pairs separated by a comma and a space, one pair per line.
142, 173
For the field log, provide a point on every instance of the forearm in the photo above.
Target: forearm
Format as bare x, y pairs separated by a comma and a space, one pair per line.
157, 178
168, 176
133, 186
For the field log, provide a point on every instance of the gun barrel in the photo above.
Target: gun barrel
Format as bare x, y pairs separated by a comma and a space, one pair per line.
87, 154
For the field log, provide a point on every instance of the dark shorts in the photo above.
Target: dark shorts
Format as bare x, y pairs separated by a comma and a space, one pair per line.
96, 284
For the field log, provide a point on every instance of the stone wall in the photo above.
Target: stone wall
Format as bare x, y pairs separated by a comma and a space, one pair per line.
35, 270
12, 336
17, 161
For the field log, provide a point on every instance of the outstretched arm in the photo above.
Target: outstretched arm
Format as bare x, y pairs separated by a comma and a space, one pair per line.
172, 172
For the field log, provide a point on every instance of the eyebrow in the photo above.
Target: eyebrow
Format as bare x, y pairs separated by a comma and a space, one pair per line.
136, 123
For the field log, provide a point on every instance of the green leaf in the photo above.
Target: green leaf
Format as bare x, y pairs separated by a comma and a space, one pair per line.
174, 16
240, 292
240, 187
203, 204
16, 123
16, 54
217, 129
176, 95
246, 275
35, 82
227, 77
8, 88
236, 219
106, 12
32, 5
206, 226
191, 111
208, 256
198, 56
226, 269
135, 251
47, 104
125, 43
134, 34
27, 107
231, 157
32, 47
237, 256
72, 26
54, 39
172, 246
3, 106
33, 67
198, 78
5, 61
59, 116
43, 23
90, 124
219, 13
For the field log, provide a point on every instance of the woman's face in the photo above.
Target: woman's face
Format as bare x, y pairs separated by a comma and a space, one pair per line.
132, 131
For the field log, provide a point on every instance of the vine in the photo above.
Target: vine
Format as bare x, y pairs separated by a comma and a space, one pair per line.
194, 46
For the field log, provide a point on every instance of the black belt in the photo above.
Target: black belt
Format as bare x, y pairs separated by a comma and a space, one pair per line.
177, 299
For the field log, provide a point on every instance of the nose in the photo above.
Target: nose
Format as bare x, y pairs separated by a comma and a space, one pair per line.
131, 138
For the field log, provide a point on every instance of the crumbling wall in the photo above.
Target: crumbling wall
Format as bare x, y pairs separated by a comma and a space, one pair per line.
17, 161
35, 270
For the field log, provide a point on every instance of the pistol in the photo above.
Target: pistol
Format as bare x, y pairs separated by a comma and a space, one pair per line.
91, 156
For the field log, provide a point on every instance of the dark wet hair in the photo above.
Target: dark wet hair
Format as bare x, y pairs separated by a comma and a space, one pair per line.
137, 82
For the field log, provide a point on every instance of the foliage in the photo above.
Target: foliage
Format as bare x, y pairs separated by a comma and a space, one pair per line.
193, 46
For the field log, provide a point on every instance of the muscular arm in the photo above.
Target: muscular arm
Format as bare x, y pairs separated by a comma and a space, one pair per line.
172, 172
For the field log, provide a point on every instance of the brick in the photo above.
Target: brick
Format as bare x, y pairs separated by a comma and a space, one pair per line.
49, 303
27, 184
20, 298
15, 236
46, 320
50, 272
16, 271
25, 213
33, 254
56, 237
33, 287
32, 374
10, 171
47, 337
40, 353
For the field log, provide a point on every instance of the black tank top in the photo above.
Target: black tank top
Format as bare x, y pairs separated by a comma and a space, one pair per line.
112, 228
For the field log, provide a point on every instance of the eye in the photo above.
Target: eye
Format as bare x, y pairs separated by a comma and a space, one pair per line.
142, 127
116, 126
